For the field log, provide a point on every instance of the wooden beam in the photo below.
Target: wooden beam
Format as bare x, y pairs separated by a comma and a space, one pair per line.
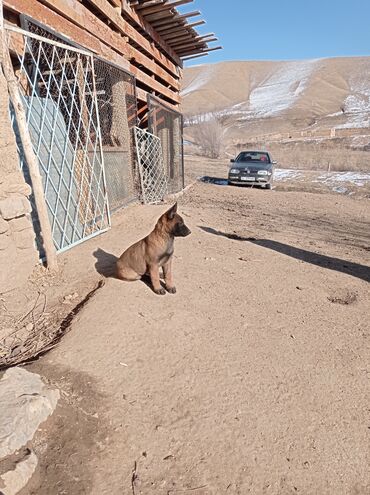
194, 24
127, 29
180, 38
193, 39
45, 16
170, 29
144, 11
203, 36
178, 33
165, 21
197, 50
142, 95
78, 35
77, 13
153, 84
195, 56
184, 24
176, 18
143, 24
143, 5
201, 43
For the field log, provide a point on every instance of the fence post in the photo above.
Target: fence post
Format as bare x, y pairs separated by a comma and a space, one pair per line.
31, 159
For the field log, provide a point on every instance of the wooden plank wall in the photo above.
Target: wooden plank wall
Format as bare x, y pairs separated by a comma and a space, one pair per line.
99, 26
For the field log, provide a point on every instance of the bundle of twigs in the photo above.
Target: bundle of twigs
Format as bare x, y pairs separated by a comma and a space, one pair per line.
38, 330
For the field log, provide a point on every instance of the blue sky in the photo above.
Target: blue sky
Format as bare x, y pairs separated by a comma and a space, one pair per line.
284, 29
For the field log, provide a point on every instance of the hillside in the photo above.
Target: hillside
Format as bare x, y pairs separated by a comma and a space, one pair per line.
257, 98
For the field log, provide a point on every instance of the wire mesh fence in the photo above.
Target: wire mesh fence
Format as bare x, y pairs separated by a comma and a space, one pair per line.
57, 85
168, 125
153, 177
118, 114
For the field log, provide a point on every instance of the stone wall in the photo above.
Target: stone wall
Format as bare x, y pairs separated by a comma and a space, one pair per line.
18, 254
313, 133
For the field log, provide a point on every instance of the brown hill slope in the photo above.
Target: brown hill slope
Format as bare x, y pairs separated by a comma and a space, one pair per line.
266, 97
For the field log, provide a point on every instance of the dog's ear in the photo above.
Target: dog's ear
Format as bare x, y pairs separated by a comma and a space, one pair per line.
171, 212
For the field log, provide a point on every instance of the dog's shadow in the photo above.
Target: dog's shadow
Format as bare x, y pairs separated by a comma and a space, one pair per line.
105, 265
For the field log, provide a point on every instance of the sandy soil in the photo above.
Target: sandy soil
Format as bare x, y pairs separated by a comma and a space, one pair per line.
253, 378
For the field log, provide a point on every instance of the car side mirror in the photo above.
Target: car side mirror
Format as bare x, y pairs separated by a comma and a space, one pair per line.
274, 162
232, 160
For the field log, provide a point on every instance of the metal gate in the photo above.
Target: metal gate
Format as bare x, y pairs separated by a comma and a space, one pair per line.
153, 177
57, 83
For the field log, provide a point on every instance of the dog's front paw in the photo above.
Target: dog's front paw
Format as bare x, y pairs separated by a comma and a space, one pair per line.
171, 290
160, 292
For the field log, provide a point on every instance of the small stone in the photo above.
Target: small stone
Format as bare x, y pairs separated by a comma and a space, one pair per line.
14, 480
14, 207
29, 327
23, 189
16, 350
5, 241
21, 223
24, 239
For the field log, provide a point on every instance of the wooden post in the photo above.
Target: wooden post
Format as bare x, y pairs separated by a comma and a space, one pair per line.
32, 161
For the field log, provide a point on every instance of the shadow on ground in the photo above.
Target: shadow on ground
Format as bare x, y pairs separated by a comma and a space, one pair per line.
105, 263
219, 181
214, 180
354, 269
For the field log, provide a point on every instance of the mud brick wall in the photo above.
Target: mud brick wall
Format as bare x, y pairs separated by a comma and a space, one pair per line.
18, 254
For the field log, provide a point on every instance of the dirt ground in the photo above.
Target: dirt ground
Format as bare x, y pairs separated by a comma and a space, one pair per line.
253, 378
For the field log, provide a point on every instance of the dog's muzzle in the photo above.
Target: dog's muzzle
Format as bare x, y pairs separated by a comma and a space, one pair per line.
182, 231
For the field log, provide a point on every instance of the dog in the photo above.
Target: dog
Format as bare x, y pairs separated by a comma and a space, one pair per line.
155, 251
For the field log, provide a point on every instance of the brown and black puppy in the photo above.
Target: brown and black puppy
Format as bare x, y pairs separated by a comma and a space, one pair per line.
154, 252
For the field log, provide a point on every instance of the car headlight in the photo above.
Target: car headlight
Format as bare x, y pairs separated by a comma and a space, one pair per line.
234, 171
264, 172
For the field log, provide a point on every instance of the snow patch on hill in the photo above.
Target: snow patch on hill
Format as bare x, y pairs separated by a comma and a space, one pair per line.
357, 104
281, 89
199, 81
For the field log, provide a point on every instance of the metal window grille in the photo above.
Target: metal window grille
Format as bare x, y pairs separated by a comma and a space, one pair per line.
168, 126
117, 105
151, 169
57, 83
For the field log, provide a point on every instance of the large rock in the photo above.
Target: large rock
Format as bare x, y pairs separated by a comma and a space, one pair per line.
14, 480
25, 402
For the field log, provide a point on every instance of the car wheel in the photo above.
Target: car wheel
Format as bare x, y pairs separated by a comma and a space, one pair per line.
268, 186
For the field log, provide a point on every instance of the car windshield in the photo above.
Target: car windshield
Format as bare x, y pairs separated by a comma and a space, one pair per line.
253, 156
